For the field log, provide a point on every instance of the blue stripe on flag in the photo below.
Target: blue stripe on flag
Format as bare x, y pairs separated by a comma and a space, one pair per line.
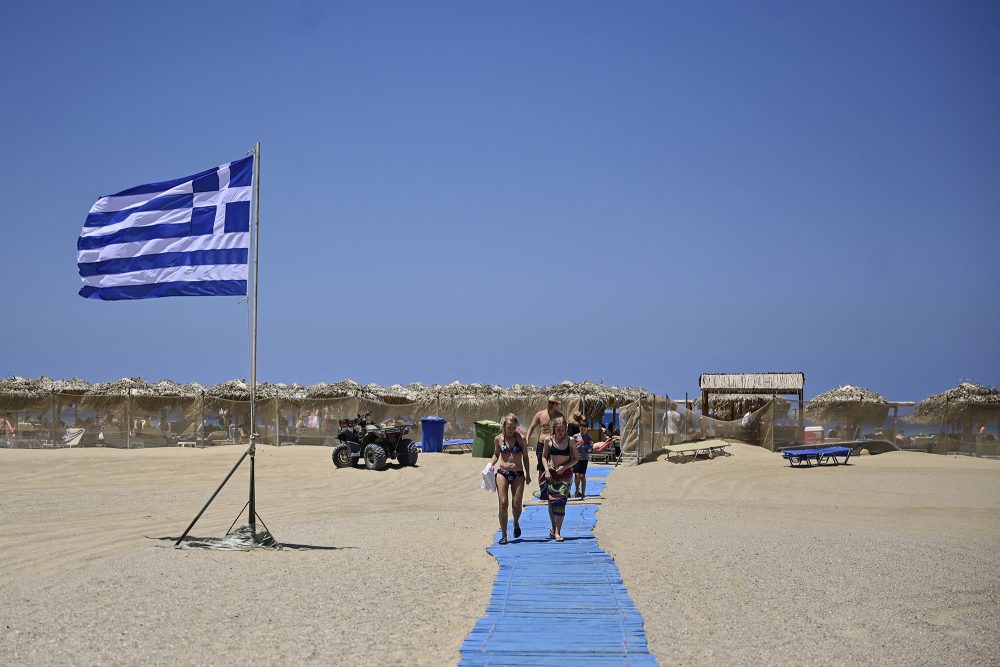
238, 216
163, 186
202, 220
241, 173
165, 203
163, 260
178, 288
130, 234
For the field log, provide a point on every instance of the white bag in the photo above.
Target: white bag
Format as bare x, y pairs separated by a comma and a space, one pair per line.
489, 482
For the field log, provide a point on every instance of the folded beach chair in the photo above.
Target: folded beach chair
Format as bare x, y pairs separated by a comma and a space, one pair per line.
823, 456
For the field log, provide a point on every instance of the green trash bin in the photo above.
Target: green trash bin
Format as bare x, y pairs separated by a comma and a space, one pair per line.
486, 433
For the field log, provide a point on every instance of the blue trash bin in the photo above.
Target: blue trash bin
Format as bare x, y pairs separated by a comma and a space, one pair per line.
432, 429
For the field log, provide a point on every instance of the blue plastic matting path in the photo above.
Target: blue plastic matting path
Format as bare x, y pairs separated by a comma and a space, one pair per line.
557, 603
597, 477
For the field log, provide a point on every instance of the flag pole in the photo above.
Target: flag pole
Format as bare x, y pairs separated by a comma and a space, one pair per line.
252, 511
252, 449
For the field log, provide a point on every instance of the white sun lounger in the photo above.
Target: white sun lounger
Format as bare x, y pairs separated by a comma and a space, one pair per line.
691, 450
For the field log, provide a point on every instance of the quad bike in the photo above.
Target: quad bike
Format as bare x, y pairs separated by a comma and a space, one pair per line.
360, 439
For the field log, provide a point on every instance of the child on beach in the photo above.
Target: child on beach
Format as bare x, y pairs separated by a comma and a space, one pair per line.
558, 456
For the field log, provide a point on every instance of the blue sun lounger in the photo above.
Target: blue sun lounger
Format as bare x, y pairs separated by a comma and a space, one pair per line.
824, 456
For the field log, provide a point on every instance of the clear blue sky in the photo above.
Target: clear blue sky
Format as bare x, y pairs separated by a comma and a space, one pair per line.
524, 192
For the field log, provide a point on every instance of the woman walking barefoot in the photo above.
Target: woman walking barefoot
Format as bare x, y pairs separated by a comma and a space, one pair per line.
559, 456
510, 460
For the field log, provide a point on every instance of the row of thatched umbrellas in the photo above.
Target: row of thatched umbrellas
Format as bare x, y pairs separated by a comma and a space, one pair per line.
968, 402
17, 393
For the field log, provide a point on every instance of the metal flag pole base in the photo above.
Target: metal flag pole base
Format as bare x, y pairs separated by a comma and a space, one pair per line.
252, 515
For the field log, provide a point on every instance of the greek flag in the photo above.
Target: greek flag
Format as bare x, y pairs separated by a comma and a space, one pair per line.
185, 237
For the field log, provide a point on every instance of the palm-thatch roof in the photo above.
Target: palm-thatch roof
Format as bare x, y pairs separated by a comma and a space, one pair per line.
968, 402
111, 395
77, 386
285, 392
397, 394
733, 406
230, 390
17, 393
342, 389
751, 383
848, 404
596, 397
460, 397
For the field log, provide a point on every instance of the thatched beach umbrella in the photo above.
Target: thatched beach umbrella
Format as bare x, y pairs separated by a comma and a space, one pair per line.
17, 393
73, 387
848, 404
397, 394
343, 389
596, 398
113, 395
966, 403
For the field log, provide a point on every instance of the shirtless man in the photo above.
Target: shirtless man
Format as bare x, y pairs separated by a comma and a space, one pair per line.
541, 421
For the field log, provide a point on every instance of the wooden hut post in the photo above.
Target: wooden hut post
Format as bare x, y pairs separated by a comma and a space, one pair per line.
277, 421
704, 402
201, 416
128, 418
802, 416
52, 419
770, 435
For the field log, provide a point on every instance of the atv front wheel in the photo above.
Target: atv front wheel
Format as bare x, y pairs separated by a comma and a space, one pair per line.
342, 456
374, 457
408, 453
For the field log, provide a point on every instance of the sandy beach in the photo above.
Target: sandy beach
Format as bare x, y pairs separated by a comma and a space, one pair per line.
893, 560
737, 560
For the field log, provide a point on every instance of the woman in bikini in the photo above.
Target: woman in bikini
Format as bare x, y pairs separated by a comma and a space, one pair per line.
510, 460
559, 456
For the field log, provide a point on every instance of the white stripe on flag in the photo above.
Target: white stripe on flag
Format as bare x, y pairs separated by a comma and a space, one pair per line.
122, 202
144, 219
170, 274
221, 197
157, 246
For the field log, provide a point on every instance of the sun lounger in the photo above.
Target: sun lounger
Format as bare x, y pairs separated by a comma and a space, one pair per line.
823, 456
691, 450
71, 438
463, 445
606, 451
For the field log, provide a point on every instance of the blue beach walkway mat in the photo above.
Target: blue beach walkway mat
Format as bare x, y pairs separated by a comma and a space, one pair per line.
557, 603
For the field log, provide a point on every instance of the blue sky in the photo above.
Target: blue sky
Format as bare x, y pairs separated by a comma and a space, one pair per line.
524, 192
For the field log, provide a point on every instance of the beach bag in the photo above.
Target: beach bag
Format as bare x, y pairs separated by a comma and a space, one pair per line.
489, 482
